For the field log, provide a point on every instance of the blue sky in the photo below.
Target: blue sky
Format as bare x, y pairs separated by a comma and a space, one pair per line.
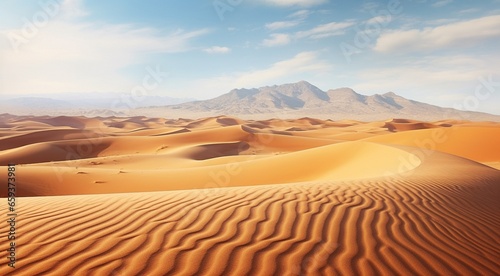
442, 52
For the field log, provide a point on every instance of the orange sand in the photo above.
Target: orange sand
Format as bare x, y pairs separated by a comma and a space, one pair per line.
224, 196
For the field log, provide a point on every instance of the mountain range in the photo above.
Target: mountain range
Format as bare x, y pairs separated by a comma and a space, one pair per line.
285, 101
304, 99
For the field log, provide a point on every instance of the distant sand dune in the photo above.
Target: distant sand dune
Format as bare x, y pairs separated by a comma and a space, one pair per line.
224, 196
474, 142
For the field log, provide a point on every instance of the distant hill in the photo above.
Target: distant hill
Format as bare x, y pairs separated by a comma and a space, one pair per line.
87, 104
304, 99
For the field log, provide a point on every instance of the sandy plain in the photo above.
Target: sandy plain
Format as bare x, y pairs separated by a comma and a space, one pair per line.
225, 196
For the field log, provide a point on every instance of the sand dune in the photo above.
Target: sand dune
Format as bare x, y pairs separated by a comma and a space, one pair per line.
352, 160
473, 142
224, 196
404, 125
391, 226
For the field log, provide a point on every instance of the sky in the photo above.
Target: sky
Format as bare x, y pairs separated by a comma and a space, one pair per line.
443, 52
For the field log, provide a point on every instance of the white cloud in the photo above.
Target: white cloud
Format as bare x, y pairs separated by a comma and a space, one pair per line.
73, 9
289, 70
427, 78
217, 50
276, 40
281, 25
286, 3
68, 56
441, 3
325, 30
459, 34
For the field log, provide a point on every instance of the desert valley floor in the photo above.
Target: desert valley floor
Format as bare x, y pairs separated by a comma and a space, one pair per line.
225, 196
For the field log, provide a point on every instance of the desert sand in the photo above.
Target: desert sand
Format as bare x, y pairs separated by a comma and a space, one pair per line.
225, 196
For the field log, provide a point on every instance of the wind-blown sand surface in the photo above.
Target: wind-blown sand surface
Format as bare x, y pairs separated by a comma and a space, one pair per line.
224, 196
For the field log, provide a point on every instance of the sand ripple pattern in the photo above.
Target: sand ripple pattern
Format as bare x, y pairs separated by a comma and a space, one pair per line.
412, 226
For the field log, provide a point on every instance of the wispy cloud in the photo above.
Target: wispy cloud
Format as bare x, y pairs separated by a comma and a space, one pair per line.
441, 3
471, 10
318, 32
73, 9
325, 30
379, 20
217, 50
441, 21
302, 14
287, 3
277, 40
289, 70
297, 18
369, 6
281, 25
436, 75
300, 63
454, 35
